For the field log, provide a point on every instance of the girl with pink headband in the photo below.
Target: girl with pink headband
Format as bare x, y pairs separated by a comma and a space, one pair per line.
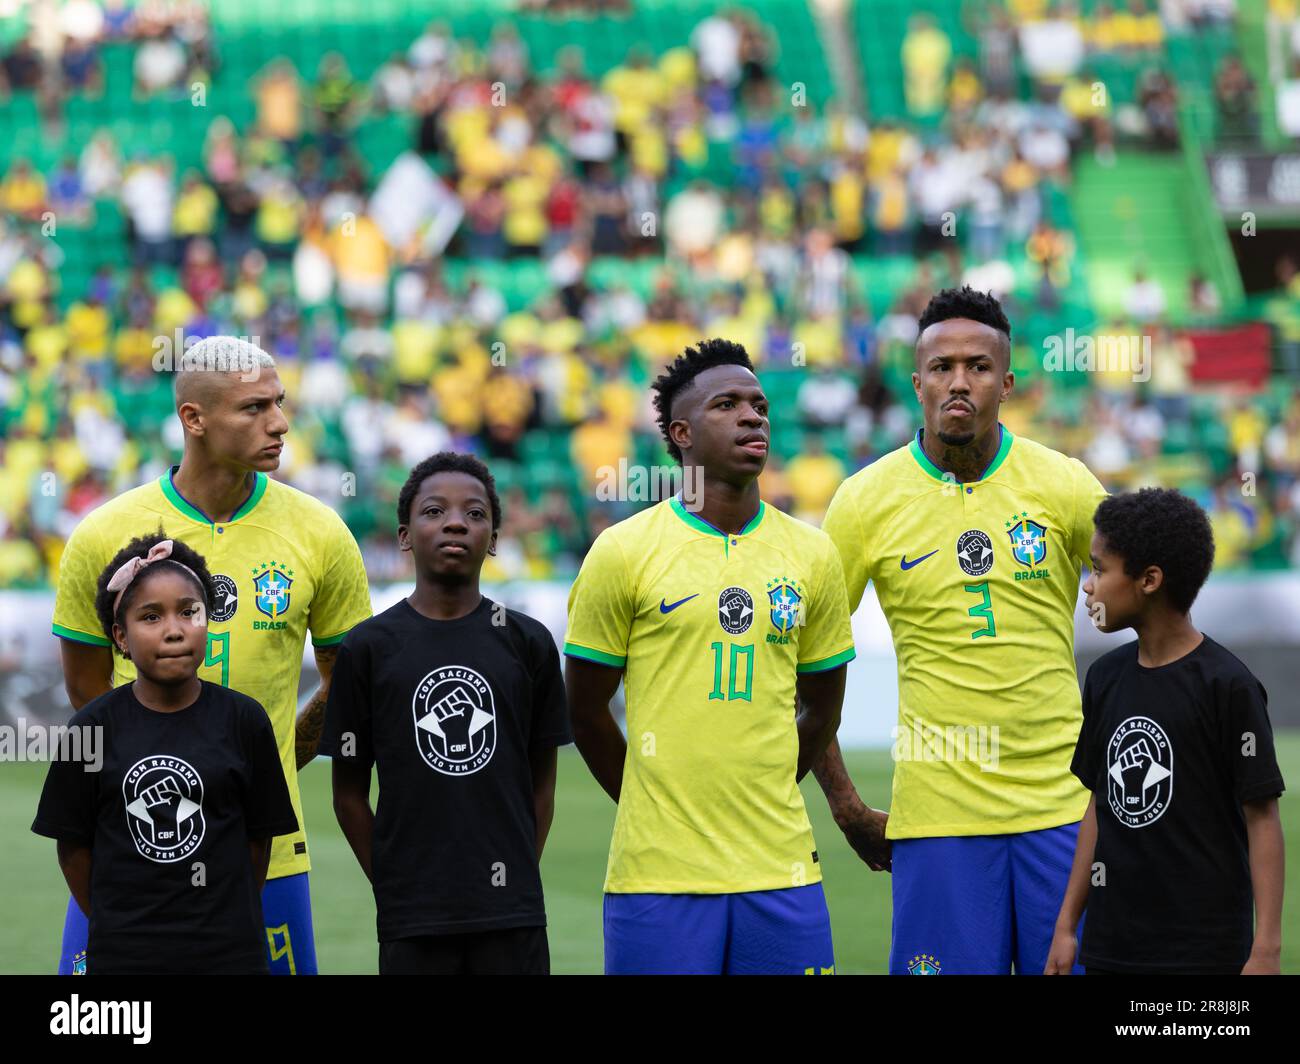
165, 838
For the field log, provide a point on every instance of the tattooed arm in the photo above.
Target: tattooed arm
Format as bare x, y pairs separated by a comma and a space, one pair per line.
312, 719
863, 827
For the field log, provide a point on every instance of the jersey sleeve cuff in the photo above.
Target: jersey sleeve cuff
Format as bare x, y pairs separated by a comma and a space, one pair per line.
1273, 788
79, 637
824, 664
330, 640
574, 650
338, 637
78, 835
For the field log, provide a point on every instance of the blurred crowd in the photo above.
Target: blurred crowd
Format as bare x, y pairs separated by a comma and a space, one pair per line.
1067, 48
60, 54
512, 282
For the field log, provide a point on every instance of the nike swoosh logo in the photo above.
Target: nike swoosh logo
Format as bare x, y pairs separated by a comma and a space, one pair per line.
663, 608
904, 564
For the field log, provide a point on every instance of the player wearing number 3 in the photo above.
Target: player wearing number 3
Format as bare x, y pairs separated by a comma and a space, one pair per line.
716, 611
282, 563
974, 540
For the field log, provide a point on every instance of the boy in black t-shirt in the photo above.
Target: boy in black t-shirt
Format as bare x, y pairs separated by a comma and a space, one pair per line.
459, 704
1182, 843
165, 847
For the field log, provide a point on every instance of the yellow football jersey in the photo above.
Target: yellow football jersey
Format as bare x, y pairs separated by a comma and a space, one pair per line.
979, 583
284, 563
711, 630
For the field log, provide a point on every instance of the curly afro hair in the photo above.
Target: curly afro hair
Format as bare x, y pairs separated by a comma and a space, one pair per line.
139, 547
965, 302
448, 462
685, 368
1164, 528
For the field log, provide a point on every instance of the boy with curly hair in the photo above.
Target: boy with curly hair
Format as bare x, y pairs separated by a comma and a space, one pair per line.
1179, 859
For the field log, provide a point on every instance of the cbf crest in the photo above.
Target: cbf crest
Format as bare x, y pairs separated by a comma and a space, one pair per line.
1028, 540
785, 602
271, 584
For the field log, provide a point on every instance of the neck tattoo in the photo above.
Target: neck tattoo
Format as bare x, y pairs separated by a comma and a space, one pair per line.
967, 462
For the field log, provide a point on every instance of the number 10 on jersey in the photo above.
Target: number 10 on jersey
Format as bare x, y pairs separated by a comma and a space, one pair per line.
740, 657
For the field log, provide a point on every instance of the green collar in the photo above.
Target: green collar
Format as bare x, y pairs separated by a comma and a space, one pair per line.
195, 514
700, 525
923, 460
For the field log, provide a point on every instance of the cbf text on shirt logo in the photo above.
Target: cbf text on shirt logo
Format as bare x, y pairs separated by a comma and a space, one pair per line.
164, 808
227, 600
455, 720
1140, 766
1028, 545
271, 583
974, 552
735, 610
785, 597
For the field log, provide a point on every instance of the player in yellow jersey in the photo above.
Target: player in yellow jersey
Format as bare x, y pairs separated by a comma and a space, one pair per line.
974, 540
717, 612
282, 563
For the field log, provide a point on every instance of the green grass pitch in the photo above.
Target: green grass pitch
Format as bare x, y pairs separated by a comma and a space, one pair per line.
33, 895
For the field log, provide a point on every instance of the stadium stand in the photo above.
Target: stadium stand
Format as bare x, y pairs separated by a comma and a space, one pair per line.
598, 191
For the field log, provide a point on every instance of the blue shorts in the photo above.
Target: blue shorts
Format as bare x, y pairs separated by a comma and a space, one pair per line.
762, 932
978, 905
286, 912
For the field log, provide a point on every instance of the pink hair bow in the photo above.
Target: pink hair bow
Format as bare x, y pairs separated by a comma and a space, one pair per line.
130, 569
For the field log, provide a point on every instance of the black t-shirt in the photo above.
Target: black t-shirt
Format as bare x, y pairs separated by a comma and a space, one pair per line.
449, 712
168, 818
1170, 754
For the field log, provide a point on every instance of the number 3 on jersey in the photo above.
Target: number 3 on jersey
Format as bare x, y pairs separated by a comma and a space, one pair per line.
738, 651
982, 610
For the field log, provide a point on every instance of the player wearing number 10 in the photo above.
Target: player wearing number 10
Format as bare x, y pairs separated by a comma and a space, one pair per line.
282, 563
716, 611
974, 540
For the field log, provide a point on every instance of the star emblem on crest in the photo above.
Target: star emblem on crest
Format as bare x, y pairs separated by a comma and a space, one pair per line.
259, 570
1028, 538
